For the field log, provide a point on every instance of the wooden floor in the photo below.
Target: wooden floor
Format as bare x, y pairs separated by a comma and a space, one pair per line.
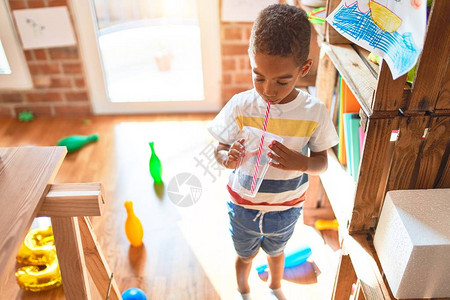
187, 252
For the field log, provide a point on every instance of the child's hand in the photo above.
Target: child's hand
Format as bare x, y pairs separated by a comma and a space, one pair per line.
286, 158
237, 150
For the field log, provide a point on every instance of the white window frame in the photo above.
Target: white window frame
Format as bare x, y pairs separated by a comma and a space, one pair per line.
20, 77
85, 23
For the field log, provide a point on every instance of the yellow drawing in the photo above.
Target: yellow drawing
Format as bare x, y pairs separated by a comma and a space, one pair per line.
39, 254
383, 17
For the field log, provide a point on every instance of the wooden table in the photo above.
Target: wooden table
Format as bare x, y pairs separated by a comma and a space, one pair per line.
26, 191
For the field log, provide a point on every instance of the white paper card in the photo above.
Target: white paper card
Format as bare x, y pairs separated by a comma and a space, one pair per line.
393, 29
44, 27
243, 10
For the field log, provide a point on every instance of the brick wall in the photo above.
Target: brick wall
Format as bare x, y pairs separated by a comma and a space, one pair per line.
236, 71
58, 77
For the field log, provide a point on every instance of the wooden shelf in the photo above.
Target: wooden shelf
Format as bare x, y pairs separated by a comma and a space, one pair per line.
367, 266
340, 189
407, 163
358, 73
26, 176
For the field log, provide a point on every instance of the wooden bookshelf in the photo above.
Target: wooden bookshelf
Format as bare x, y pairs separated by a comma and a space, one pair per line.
418, 159
367, 266
340, 187
355, 72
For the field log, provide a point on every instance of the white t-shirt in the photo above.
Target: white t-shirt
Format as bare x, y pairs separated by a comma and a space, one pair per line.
302, 123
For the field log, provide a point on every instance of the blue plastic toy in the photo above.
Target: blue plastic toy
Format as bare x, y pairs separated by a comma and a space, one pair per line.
134, 294
292, 258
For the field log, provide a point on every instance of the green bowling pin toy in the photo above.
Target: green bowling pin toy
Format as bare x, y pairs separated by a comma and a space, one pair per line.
155, 165
75, 142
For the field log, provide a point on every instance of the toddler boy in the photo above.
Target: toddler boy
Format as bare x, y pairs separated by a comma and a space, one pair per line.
278, 51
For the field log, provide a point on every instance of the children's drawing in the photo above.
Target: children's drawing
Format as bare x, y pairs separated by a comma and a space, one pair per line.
44, 27
393, 29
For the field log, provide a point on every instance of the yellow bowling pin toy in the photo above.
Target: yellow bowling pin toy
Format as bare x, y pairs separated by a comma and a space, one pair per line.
133, 227
326, 224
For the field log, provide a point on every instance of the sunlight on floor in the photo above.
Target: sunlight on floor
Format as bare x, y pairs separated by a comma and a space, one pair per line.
186, 147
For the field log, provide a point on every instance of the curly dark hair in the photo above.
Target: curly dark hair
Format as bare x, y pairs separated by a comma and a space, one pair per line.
281, 29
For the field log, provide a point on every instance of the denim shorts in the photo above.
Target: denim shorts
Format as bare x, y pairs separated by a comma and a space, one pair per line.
251, 229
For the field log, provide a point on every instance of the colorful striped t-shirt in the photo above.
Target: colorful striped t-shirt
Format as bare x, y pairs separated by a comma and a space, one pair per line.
303, 123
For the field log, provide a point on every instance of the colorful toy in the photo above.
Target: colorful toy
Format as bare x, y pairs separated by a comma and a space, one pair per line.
292, 258
134, 294
75, 142
155, 166
317, 16
39, 254
39, 278
326, 224
133, 227
38, 247
26, 116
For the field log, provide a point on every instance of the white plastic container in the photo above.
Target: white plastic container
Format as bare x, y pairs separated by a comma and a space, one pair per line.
243, 176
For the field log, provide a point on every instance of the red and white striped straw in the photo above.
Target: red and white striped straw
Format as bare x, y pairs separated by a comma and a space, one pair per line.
261, 142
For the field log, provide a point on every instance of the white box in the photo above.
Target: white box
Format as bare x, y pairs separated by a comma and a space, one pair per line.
412, 241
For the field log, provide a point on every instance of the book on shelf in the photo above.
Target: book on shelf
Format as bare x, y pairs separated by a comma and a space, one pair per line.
347, 104
341, 147
362, 136
351, 131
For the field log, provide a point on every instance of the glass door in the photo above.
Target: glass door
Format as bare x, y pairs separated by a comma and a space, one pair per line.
157, 55
150, 50
4, 64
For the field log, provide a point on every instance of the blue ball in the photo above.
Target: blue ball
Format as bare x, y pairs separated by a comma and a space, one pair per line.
134, 294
